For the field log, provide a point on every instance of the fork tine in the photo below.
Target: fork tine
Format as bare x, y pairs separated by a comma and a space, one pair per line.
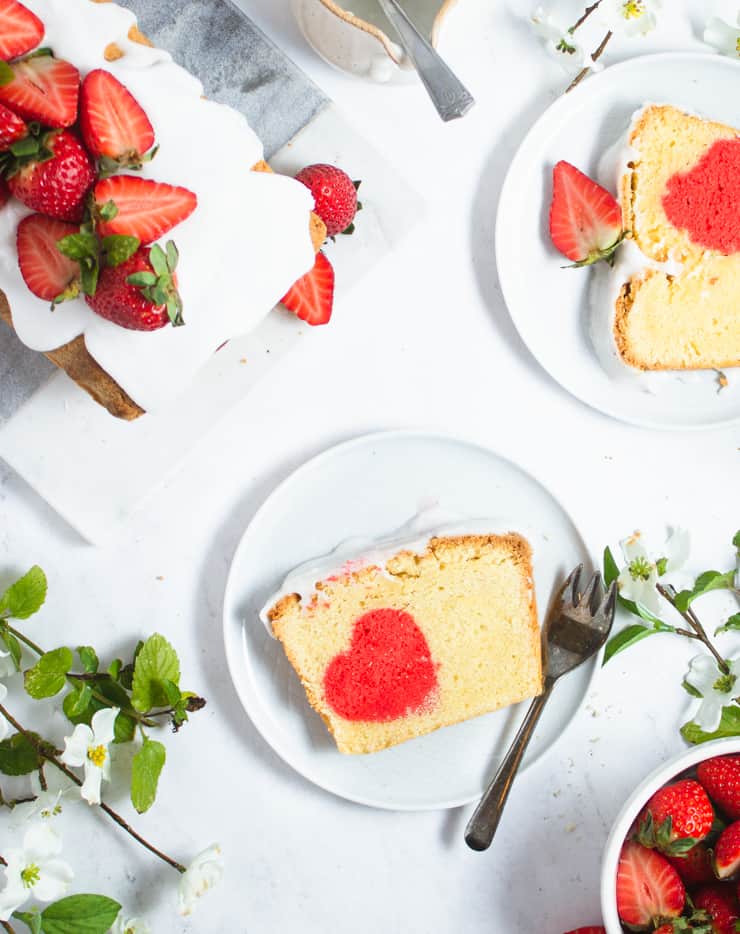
570, 587
591, 596
609, 605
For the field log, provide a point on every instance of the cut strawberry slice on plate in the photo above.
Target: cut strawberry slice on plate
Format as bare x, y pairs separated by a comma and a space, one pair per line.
312, 297
649, 890
41, 88
46, 272
12, 128
146, 209
585, 220
21, 29
113, 123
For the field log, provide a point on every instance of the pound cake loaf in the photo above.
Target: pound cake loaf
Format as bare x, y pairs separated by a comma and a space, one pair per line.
679, 187
388, 651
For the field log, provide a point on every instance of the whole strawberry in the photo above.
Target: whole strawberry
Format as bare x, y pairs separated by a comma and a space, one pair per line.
140, 294
12, 128
55, 179
721, 779
594, 929
334, 194
720, 905
695, 868
676, 818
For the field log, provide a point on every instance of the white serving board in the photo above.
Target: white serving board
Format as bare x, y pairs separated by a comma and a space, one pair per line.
110, 474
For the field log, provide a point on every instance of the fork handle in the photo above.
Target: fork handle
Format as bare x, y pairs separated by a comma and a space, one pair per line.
483, 824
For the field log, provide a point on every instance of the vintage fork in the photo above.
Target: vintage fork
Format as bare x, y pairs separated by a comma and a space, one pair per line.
577, 626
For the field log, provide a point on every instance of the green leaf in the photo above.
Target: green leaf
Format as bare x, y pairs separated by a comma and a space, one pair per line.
18, 756
49, 675
6, 74
733, 623
89, 658
31, 918
611, 571
146, 768
26, 596
13, 646
77, 702
119, 248
661, 566
171, 691
736, 540
704, 583
690, 689
628, 637
80, 914
114, 669
729, 726
157, 662
78, 246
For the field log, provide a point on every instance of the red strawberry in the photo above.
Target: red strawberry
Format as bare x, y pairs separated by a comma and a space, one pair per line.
721, 906
112, 121
4, 192
334, 194
594, 929
676, 818
695, 868
727, 852
311, 298
12, 128
146, 209
141, 293
649, 890
21, 31
47, 273
721, 778
585, 220
43, 88
59, 185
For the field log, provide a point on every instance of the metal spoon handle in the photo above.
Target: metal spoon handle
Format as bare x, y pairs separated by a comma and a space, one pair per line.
483, 824
449, 95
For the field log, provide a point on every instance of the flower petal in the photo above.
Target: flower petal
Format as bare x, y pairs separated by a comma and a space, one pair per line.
90, 790
12, 898
76, 745
634, 547
677, 549
709, 714
205, 872
54, 878
702, 673
722, 36
103, 726
41, 842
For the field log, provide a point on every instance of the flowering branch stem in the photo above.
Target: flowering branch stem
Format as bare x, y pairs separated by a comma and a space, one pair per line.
10, 803
8, 927
669, 593
43, 750
25, 640
586, 13
595, 57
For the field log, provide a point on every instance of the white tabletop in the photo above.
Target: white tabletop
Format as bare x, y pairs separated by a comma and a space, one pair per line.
426, 342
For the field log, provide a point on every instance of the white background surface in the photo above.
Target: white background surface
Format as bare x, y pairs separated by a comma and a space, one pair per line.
426, 342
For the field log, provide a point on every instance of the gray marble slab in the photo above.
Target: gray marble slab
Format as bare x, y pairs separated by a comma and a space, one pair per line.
238, 66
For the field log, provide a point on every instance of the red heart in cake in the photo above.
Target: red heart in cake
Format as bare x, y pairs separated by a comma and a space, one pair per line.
386, 673
704, 201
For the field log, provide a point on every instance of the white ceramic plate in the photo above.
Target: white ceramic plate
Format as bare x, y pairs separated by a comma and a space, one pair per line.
550, 305
370, 487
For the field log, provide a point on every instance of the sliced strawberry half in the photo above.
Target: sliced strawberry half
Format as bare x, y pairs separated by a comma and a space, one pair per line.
12, 128
727, 852
585, 219
146, 209
46, 272
21, 29
649, 890
312, 297
41, 88
113, 123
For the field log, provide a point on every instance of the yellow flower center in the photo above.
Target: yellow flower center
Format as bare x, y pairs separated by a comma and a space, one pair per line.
31, 875
737, 49
633, 9
97, 754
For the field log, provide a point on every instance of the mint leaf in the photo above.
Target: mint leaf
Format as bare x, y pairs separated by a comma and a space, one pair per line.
729, 726
146, 768
26, 596
13, 646
49, 675
18, 756
77, 701
80, 914
156, 662
625, 639
704, 583
733, 623
89, 658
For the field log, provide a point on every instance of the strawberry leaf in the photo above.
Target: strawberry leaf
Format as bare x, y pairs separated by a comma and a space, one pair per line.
119, 248
173, 256
78, 246
142, 279
158, 259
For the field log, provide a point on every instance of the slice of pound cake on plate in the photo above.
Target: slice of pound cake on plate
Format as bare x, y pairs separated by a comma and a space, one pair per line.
412, 638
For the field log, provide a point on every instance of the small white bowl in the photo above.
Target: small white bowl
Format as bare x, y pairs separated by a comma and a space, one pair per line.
354, 35
634, 804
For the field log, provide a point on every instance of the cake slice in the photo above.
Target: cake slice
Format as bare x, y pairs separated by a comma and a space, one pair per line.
427, 638
679, 188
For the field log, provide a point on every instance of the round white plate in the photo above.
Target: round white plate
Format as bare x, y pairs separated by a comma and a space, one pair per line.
370, 487
550, 305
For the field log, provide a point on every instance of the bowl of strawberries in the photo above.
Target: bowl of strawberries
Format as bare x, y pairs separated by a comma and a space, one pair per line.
672, 860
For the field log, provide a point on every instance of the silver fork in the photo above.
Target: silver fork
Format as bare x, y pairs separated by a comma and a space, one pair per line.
577, 626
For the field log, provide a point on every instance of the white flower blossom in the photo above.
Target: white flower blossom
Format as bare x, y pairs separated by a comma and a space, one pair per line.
725, 38
88, 747
46, 805
34, 870
560, 43
204, 873
129, 926
3, 721
716, 688
637, 580
7, 665
629, 17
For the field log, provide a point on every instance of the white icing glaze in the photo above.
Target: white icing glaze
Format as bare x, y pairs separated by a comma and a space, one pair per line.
240, 251
355, 553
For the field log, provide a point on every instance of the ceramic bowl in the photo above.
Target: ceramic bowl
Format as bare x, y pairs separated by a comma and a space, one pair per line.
360, 41
634, 804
